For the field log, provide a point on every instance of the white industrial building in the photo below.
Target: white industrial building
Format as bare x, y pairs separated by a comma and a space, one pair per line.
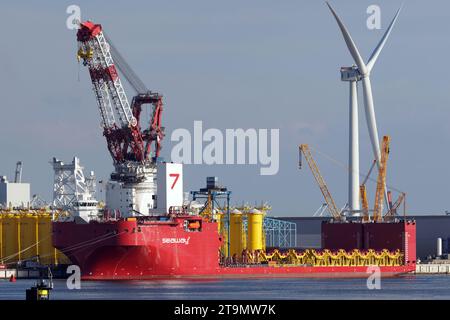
14, 194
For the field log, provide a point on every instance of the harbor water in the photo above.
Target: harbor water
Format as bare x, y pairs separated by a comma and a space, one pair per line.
406, 287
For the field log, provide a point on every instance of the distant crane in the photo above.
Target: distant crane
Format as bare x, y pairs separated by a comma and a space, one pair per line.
18, 173
393, 210
319, 212
331, 205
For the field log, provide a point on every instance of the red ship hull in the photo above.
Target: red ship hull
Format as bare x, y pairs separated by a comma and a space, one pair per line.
125, 250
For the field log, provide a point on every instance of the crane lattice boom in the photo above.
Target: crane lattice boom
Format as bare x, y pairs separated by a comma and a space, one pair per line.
364, 202
393, 210
381, 180
332, 208
363, 194
120, 121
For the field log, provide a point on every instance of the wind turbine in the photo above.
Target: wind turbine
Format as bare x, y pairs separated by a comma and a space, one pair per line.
354, 74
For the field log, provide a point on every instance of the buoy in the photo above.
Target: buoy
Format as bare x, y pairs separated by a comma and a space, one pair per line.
12, 278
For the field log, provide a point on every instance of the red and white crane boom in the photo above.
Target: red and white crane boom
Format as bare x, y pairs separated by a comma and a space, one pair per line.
120, 120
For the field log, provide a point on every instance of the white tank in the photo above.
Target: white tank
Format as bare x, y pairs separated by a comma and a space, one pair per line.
439, 247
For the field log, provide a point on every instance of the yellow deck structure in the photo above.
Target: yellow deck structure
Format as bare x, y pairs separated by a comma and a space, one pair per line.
327, 258
255, 230
27, 235
237, 235
222, 229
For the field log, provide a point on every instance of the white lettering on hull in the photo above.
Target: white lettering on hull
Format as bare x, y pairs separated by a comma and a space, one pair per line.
176, 240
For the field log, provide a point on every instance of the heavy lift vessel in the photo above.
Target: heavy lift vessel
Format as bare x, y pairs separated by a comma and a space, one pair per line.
156, 235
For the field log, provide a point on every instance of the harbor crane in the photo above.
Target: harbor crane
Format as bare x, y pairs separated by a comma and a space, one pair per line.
331, 205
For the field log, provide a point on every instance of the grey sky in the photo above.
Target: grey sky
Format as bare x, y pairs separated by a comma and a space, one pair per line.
237, 64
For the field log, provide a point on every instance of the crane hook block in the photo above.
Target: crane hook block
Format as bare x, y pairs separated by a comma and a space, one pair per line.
85, 55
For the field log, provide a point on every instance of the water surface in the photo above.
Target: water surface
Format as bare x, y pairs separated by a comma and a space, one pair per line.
406, 287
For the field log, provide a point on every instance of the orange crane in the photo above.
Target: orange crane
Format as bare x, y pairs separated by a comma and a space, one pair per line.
363, 194
381, 180
364, 202
332, 208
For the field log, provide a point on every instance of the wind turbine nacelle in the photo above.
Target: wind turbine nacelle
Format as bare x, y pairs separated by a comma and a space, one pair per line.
350, 74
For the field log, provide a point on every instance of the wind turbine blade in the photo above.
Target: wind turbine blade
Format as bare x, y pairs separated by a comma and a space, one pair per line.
350, 44
370, 118
376, 52
372, 125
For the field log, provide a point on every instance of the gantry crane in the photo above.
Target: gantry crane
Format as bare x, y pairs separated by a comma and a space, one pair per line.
381, 180
332, 208
126, 140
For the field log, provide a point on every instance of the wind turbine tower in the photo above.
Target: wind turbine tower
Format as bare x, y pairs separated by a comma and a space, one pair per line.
352, 76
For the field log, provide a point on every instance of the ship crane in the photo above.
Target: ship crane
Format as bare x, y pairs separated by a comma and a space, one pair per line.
331, 205
126, 140
381, 180
155, 131
363, 194
393, 210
